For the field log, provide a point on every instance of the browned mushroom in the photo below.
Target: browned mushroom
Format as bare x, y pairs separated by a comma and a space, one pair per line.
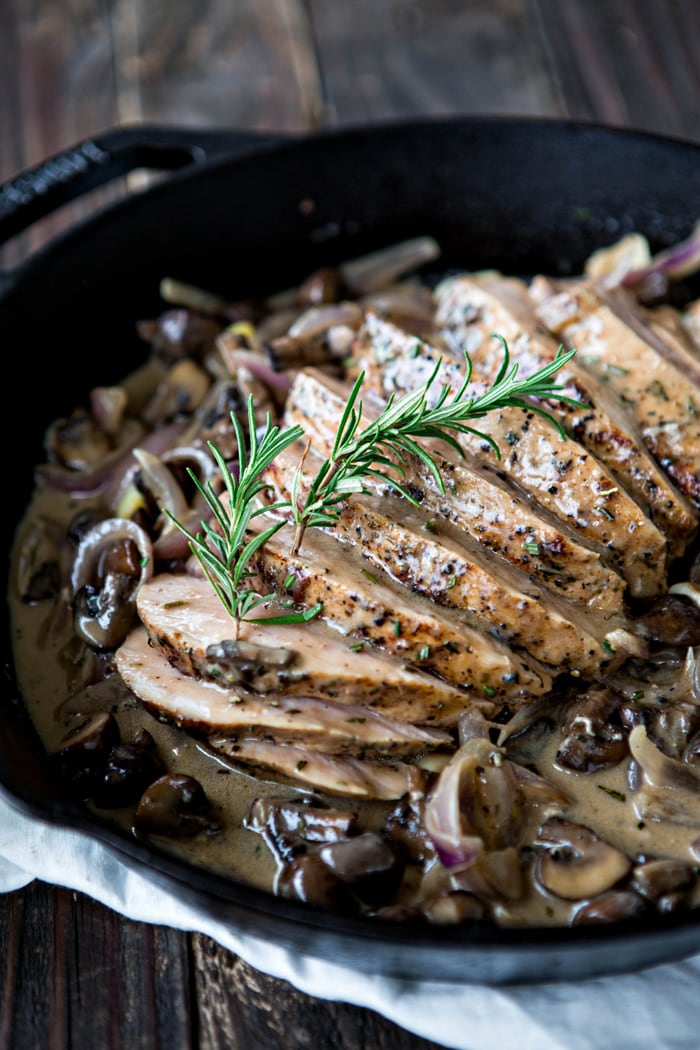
175, 806
368, 863
114, 558
80, 758
592, 740
576, 863
615, 906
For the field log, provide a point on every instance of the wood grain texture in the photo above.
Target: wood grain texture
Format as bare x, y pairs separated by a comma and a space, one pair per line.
243, 1009
432, 57
75, 974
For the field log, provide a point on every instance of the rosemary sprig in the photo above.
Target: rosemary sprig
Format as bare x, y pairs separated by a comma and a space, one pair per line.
222, 547
382, 445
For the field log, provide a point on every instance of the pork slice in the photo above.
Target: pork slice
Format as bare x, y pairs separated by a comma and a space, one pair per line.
559, 474
203, 707
476, 501
433, 560
187, 623
660, 392
365, 602
333, 774
471, 307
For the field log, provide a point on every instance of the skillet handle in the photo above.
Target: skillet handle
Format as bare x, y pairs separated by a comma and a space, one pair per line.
39, 191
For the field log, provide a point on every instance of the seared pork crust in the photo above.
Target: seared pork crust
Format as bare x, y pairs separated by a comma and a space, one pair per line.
472, 307
559, 474
364, 602
203, 706
482, 506
659, 390
184, 620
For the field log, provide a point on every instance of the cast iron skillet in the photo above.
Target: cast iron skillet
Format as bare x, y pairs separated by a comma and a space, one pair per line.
244, 215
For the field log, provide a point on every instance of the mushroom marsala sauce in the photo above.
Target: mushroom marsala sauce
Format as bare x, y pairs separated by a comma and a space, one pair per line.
496, 715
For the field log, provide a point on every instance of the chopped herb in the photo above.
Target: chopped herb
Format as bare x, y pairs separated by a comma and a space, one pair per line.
397, 628
424, 652
357, 646
360, 721
452, 582
607, 646
488, 690
606, 513
370, 577
430, 526
289, 582
619, 796
616, 370
532, 547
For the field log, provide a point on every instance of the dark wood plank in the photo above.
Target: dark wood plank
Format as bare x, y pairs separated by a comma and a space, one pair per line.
75, 974
243, 1009
405, 57
626, 62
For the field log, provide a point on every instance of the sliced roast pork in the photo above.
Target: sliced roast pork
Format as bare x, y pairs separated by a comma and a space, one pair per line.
186, 622
433, 560
362, 601
203, 707
559, 474
476, 501
472, 307
659, 389
342, 775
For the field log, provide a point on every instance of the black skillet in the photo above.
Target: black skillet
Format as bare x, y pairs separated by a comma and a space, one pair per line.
244, 215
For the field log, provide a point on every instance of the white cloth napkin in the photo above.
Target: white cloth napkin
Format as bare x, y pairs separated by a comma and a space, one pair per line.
658, 1009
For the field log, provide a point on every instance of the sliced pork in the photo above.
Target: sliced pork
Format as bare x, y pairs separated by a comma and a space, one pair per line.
204, 707
658, 388
559, 474
186, 622
479, 503
472, 307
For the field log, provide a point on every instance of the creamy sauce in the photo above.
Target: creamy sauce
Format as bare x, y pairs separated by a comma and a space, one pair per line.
52, 670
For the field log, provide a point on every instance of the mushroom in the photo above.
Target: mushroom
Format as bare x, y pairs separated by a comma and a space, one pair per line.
673, 619
591, 739
112, 561
577, 864
615, 906
179, 333
368, 863
656, 879
128, 771
260, 667
80, 759
289, 825
181, 391
175, 806
308, 879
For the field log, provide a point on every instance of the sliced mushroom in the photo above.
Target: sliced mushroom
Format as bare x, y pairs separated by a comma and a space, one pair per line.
80, 759
672, 620
615, 906
308, 879
288, 826
576, 863
175, 806
658, 878
260, 667
368, 863
592, 740
114, 558
181, 391
128, 771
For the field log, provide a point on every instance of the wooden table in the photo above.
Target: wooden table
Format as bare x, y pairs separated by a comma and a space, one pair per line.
72, 973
